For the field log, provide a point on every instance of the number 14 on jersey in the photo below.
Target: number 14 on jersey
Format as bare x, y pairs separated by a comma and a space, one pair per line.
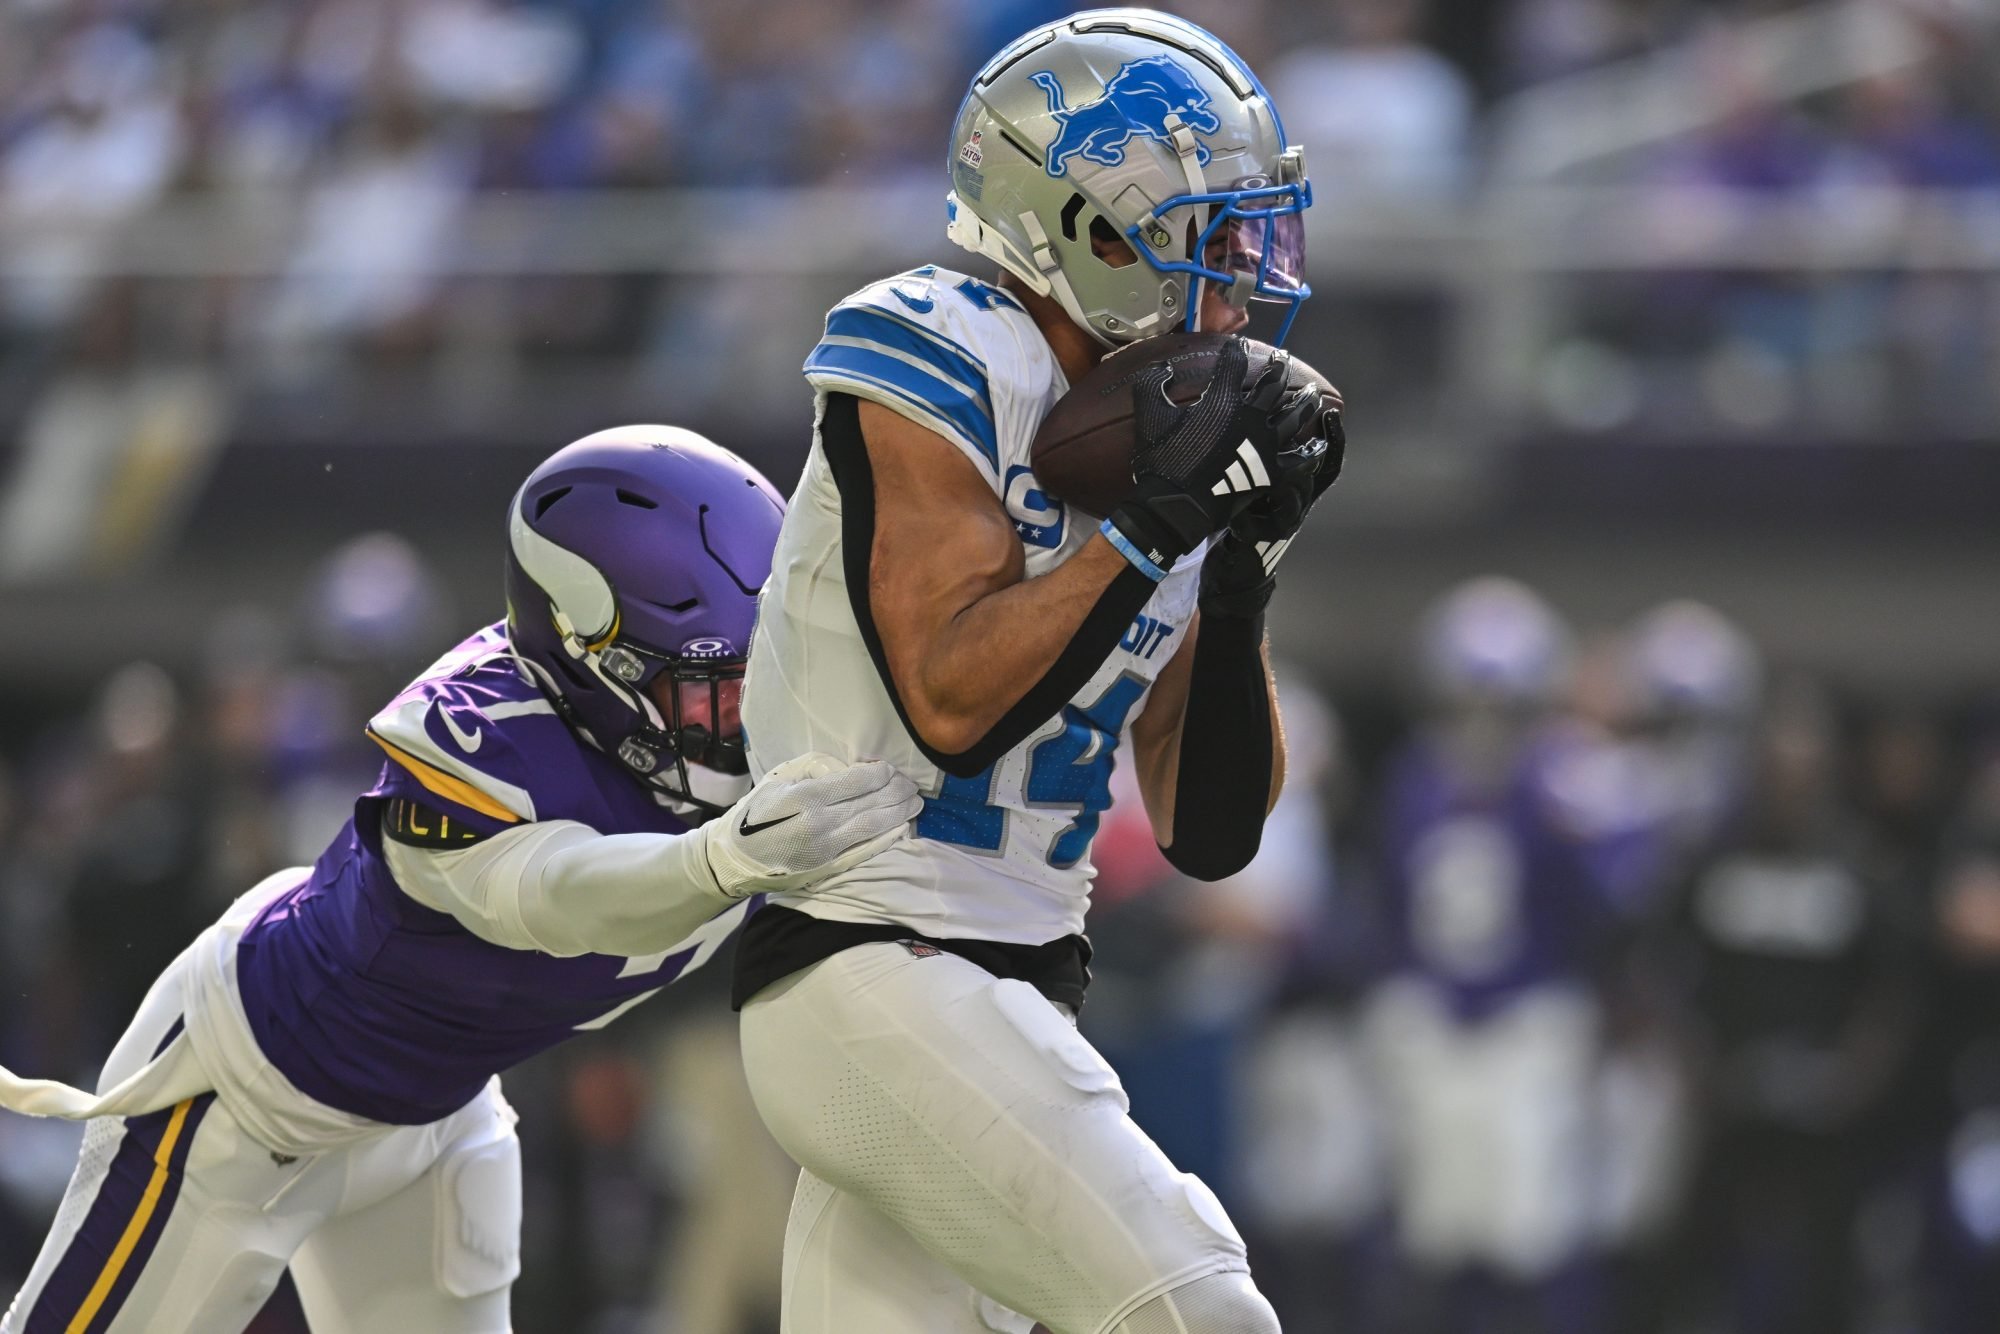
1069, 768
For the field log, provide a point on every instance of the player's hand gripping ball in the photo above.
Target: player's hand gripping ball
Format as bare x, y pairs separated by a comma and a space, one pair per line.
1084, 451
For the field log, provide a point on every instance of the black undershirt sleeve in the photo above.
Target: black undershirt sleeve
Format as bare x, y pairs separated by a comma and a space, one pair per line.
1223, 785
1096, 639
419, 826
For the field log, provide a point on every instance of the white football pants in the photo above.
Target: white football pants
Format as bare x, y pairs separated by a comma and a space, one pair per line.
963, 1146
177, 1222
1490, 1125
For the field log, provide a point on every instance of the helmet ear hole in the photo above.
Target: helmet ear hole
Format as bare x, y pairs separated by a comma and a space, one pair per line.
1110, 248
1070, 210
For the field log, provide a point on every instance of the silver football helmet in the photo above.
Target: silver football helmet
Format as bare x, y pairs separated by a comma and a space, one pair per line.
1136, 125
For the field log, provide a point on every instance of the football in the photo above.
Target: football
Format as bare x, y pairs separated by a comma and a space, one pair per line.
1082, 453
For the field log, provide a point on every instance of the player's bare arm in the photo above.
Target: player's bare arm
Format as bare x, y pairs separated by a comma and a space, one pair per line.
1156, 737
965, 634
976, 655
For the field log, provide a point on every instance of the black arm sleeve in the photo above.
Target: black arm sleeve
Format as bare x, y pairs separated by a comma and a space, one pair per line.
1096, 639
1223, 785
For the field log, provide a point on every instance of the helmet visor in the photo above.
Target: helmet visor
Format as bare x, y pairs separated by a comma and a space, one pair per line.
1267, 244
703, 706
1253, 230
713, 703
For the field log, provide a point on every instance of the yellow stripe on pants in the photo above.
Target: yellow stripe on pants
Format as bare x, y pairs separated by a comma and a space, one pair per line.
150, 1201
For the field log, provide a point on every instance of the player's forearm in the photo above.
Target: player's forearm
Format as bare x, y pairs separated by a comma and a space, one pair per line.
622, 894
1031, 644
564, 889
1228, 759
1279, 753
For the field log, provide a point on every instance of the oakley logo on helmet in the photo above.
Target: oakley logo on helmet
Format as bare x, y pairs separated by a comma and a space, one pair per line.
708, 648
1138, 100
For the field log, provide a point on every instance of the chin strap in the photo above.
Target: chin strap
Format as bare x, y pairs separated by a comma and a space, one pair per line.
1054, 281
964, 228
1188, 149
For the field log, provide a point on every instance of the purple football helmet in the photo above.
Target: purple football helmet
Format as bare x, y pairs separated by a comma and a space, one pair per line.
1495, 639
634, 560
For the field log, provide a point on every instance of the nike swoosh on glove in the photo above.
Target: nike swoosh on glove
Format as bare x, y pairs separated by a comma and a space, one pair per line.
810, 818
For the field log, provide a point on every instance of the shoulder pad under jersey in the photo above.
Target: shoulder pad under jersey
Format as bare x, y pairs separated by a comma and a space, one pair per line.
947, 351
463, 738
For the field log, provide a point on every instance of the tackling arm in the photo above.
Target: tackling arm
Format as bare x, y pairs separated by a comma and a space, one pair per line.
563, 888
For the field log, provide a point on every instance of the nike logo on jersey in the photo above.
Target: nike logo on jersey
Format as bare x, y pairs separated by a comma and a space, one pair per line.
747, 829
1245, 474
922, 305
467, 741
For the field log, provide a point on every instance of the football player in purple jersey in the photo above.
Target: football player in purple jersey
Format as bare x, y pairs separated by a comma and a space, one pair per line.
1484, 1030
563, 825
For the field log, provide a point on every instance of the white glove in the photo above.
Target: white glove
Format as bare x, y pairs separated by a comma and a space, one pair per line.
810, 818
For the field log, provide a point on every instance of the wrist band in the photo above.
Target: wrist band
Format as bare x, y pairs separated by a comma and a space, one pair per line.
1140, 561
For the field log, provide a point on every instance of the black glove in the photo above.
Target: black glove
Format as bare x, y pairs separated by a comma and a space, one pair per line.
1240, 571
1200, 466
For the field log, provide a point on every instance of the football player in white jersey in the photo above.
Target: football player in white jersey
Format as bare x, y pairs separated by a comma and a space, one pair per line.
969, 1163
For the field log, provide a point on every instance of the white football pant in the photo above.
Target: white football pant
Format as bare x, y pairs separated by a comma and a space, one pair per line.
968, 1155
1490, 1125
179, 1223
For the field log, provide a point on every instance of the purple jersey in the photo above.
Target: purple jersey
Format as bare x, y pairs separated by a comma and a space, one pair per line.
381, 1007
1487, 894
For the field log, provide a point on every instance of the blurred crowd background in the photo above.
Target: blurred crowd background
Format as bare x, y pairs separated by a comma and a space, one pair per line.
1625, 955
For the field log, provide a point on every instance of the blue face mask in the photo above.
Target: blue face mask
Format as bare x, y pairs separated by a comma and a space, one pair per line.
1255, 230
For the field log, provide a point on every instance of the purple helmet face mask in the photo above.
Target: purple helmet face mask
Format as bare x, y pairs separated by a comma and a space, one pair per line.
634, 561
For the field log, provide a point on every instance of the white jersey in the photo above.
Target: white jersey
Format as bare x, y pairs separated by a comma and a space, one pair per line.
1005, 855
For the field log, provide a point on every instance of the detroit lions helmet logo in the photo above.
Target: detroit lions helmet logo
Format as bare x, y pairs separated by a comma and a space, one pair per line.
1138, 100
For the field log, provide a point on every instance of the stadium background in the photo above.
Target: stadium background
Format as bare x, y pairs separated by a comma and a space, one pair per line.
1632, 300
